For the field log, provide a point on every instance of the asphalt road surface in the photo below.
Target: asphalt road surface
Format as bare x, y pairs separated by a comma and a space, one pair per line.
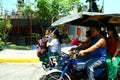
21, 71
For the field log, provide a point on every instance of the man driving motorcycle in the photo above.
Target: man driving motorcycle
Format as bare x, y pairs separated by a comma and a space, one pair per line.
96, 51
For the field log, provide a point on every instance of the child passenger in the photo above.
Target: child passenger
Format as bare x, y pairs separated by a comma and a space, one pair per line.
54, 44
113, 54
47, 32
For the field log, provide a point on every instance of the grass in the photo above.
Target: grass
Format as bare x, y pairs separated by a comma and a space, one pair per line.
13, 46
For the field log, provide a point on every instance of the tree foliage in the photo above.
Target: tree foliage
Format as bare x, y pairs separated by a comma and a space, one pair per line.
46, 10
51, 8
5, 26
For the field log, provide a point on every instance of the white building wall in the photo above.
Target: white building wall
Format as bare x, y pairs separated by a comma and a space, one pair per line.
72, 31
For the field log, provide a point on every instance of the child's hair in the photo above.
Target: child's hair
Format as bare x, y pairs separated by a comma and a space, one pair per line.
113, 29
57, 33
48, 29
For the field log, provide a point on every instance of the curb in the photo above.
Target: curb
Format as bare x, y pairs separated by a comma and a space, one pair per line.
21, 60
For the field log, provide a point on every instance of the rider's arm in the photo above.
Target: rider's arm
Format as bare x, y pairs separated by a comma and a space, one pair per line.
83, 46
117, 49
50, 43
100, 43
116, 52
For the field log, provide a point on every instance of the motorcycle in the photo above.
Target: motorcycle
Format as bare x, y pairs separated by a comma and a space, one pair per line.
73, 69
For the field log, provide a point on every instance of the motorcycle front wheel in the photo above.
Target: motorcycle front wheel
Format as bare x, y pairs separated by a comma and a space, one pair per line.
55, 76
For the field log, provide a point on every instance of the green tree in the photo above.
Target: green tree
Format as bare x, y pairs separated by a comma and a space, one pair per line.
5, 26
46, 10
1, 26
51, 8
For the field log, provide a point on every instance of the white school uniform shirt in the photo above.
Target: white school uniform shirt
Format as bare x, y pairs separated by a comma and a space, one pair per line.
55, 46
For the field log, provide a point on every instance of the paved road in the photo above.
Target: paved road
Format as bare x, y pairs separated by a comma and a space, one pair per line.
21, 71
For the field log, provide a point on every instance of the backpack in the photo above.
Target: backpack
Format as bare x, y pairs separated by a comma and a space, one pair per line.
42, 49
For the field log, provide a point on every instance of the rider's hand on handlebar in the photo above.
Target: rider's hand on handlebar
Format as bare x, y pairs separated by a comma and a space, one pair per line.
71, 53
82, 53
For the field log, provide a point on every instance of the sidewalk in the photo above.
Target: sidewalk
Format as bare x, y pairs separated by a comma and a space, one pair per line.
10, 55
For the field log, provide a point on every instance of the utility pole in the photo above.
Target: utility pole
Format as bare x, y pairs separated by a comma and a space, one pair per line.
30, 14
20, 2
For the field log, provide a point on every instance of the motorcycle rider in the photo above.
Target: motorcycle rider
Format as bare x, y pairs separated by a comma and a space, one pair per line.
97, 50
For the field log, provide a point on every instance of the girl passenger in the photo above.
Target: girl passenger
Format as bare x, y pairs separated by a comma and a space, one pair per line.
113, 54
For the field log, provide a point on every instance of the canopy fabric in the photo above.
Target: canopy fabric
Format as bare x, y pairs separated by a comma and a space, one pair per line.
82, 17
114, 20
66, 19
